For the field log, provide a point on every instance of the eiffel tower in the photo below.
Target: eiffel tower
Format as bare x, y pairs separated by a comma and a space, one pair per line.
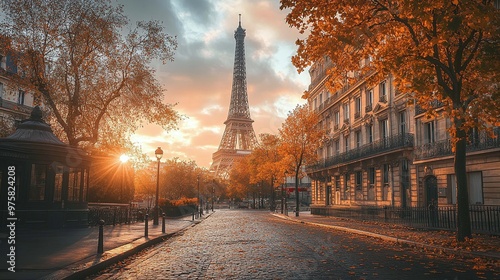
239, 138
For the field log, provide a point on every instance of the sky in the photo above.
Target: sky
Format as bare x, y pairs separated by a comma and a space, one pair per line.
199, 79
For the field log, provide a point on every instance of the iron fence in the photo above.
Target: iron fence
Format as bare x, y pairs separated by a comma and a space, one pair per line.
116, 215
121, 213
484, 218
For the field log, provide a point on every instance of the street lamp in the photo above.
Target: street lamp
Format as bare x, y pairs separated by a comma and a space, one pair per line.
158, 154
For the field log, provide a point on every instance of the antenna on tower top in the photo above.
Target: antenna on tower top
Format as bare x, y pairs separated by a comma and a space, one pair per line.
240, 19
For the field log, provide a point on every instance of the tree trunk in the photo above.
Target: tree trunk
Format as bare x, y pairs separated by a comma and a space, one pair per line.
297, 194
463, 217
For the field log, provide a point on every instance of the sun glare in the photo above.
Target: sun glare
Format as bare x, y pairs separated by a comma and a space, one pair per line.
124, 158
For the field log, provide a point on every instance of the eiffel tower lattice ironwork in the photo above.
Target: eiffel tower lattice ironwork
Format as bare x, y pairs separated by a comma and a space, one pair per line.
239, 137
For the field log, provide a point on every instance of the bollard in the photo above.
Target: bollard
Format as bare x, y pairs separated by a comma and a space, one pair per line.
163, 223
100, 242
146, 226
193, 217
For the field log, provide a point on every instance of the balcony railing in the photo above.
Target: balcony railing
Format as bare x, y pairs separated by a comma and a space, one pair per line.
368, 108
443, 148
387, 144
434, 104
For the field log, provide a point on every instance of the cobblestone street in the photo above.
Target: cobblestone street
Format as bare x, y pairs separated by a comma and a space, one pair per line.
243, 244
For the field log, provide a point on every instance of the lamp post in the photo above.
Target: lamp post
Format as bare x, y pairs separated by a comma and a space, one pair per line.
158, 154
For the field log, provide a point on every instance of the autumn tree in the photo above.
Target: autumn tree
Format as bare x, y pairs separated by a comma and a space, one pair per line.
268, 164
438, 51
95, 81
239, 178
178, 179
300, 138
145, 185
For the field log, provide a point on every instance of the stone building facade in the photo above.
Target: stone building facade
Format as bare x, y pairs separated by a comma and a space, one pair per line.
381, 151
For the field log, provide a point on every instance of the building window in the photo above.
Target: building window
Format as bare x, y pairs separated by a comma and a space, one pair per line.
329, 150
371, 183
384, 128
337, 147
429, 133
371, 176
337, 183
346, 186
474, 187
346, 144
336, 119
74, 184
473, 136
37, 183
369, 133
383, 92
402, 122
359, 180
346, 112
20, 97
385, 174
405, 182
3, 62
357, 102
358, 138
58, 182
369, 100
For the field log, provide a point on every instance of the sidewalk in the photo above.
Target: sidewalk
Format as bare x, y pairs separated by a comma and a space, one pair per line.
482, 246
57, 254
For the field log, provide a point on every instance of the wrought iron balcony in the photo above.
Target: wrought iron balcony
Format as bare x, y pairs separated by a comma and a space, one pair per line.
443, 148
388, 144
434, 104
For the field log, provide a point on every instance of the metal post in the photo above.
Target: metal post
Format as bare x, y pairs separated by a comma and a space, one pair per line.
146, 225
163, 223
155, 221
100, 242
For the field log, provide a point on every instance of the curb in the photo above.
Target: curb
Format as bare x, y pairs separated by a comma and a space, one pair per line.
95, 263
395, 239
